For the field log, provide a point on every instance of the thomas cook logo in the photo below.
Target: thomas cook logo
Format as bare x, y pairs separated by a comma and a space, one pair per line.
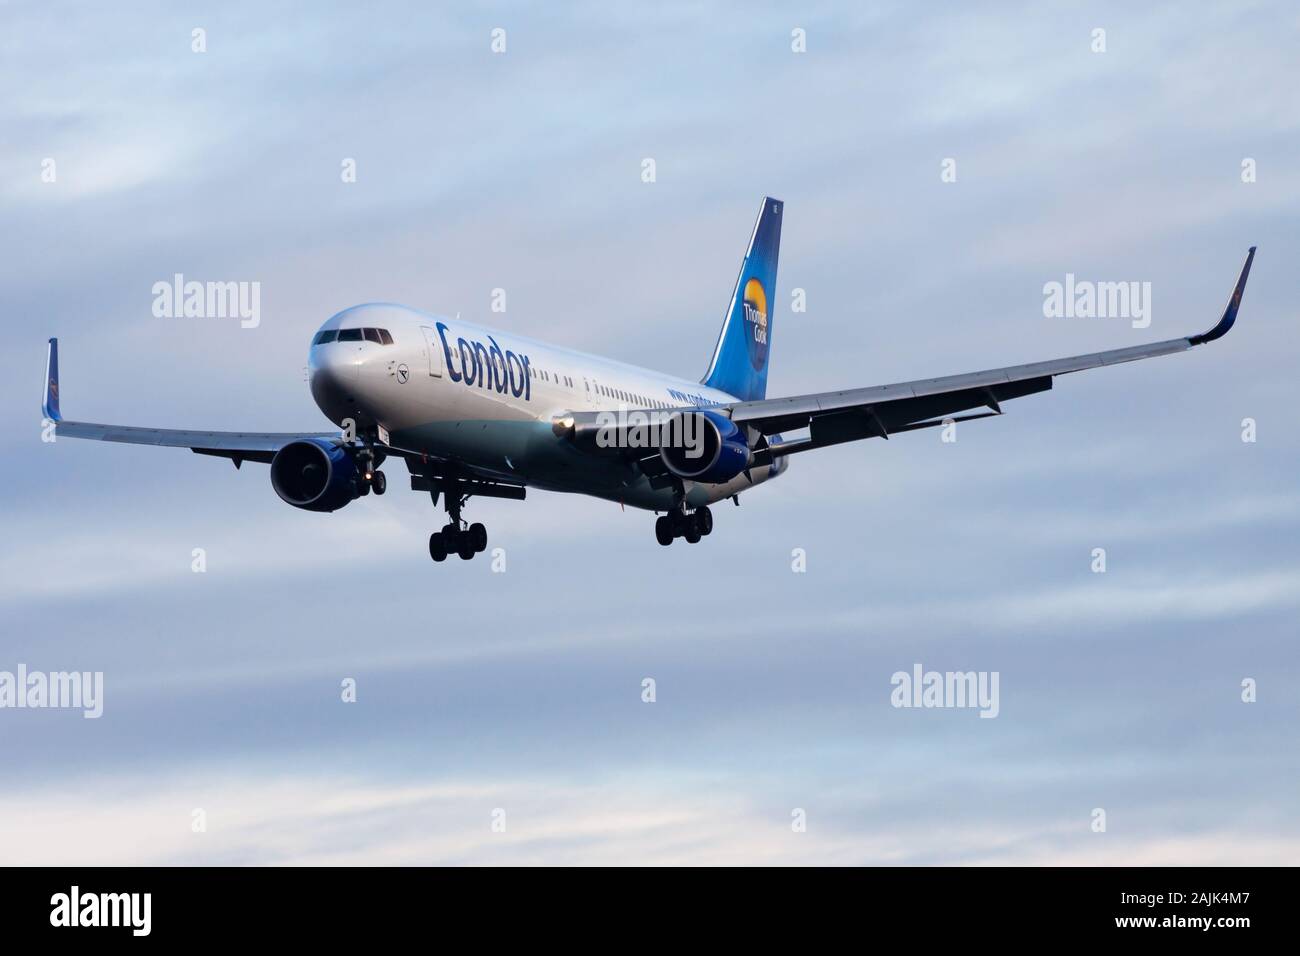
755, 304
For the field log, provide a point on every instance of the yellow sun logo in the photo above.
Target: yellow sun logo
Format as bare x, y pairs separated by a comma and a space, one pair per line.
756, 299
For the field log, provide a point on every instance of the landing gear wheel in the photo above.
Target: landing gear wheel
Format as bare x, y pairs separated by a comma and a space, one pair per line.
664, 530
438, 546
704, 521
692, 531
379, 483
478, 537
465, 547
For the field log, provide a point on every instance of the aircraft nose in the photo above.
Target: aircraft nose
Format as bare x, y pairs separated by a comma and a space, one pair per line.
333, 372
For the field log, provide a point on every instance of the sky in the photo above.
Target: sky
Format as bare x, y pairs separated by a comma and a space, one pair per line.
499, 713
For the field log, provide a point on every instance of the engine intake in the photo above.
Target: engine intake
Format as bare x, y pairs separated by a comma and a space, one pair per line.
314, 474
704, 446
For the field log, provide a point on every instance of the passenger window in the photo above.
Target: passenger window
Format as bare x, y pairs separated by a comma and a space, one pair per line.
349, 335
384, 337
326, 336
372, 335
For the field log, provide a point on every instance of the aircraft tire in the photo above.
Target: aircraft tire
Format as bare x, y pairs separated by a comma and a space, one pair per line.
438, 546
664, 530
478, 537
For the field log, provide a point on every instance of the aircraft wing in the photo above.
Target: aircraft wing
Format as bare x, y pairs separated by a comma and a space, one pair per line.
879, 411
238, 446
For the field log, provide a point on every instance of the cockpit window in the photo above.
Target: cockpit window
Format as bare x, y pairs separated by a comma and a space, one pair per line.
385, 337
372, 335
349, 335
327, 336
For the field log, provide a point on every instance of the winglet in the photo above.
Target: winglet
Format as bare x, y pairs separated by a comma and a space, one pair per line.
50, 406
1229, 313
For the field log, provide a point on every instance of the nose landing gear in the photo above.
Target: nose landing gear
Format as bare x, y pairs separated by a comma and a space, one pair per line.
369, 477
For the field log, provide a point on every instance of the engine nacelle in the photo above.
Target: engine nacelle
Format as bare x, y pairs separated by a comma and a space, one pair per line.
705, 446
314, 474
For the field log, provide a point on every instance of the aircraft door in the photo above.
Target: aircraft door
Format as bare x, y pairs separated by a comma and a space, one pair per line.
434, 348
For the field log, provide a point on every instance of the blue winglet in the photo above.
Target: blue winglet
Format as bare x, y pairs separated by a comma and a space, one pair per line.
1229, 313
50, 406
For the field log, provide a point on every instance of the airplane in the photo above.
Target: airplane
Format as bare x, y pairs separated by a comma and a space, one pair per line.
473, 411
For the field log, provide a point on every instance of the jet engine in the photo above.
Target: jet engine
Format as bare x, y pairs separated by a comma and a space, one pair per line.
704, 446
314, 474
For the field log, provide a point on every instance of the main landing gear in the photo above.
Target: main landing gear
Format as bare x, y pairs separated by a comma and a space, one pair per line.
678, 524
456, 537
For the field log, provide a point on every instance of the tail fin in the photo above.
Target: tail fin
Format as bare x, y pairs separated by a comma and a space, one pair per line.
739, 365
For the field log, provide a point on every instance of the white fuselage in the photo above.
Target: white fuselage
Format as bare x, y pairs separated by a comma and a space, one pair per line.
464, 392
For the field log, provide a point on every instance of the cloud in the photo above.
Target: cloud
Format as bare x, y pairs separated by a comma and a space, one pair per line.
335, 820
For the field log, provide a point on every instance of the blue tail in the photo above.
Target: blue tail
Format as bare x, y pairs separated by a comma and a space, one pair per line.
739, 365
